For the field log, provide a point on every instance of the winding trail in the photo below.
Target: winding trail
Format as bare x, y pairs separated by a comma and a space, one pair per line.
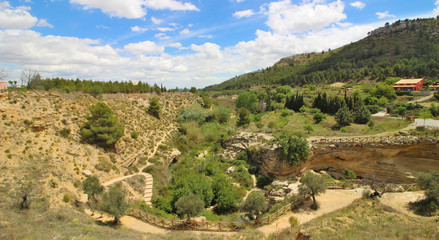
330, 201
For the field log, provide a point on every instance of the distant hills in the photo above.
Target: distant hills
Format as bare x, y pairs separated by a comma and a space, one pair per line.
406, 48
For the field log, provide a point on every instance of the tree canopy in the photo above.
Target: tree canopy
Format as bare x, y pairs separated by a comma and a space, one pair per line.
113, 202
154, 107
313, 184
254, 204
294, 148
103, 127
189, 205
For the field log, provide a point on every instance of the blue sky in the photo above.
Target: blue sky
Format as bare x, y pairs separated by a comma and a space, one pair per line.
181, 42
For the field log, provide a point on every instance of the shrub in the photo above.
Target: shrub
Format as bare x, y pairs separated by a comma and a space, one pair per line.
194, 113
350, 174
134, 135
189, 205
262, 181
243, 117
362, 115
222, 114
66, 198
162, 204
247, 100
64, 132
284, 112
318, 117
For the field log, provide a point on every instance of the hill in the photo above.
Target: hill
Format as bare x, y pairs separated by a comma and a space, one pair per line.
406, 48
41, 154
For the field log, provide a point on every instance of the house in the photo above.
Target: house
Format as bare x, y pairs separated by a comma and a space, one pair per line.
435, 87
3, 86
414, 84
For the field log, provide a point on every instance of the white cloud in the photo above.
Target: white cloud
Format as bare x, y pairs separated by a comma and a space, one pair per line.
436, 10
208, 50
245, 13
162, 36
358, 4
138, 29
146, 47
15, 18
285, 17
170, 4
385, 14
165, 29
44, 23
115, 8
177, 45
156, 20
206, 36
185, 31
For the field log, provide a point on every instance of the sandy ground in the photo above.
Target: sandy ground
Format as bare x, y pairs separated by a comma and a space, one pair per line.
400, 201
330, 201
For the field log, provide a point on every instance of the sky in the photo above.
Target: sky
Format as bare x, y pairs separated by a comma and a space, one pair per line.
181, 43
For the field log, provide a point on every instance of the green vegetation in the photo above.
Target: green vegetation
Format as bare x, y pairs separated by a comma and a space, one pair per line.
189, 205
92, 187
254, 204
113, 202
430, 205
295, 148
154, 107
102, 127
313, 184
349, 173
411, 51
243, 117
369, 219
247, 100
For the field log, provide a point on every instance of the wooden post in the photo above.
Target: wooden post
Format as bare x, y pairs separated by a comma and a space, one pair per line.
219, 225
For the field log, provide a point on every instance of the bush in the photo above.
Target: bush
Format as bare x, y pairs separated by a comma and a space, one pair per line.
284, 112
66, 198
194, 113
134, 135
243, 117
162, 204
222, 114
318, 117
64, 132
262, 181
247, 100
350, 174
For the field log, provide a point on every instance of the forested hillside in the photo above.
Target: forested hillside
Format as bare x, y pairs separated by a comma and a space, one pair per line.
406, 48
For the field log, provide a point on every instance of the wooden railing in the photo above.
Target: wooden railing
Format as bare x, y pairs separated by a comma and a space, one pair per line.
384, 139
217, 226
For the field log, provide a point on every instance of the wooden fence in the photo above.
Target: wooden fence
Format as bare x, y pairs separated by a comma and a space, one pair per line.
384, 139
217, 226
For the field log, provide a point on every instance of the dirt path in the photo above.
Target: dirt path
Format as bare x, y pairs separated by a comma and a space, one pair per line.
330, 201
399, 201
422, 98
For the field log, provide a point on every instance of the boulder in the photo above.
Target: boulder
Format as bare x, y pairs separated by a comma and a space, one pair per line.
86, 173
230, 170
279, 183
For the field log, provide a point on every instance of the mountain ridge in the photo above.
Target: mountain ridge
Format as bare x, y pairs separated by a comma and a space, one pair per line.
405, 48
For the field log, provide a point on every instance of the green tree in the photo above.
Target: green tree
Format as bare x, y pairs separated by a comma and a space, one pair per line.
343, 116
222, 114
254, 204
225, 194
92, 187
243, 117
294, 148
247, 100
425, 114
308, 128
430, 183
401, 110
189, 205
102, 127
362, 115
113, 202
193, 113
318, 117
154, 107
193, 183
313, 184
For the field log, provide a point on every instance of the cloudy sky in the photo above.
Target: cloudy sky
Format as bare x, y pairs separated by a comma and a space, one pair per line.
181, 43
